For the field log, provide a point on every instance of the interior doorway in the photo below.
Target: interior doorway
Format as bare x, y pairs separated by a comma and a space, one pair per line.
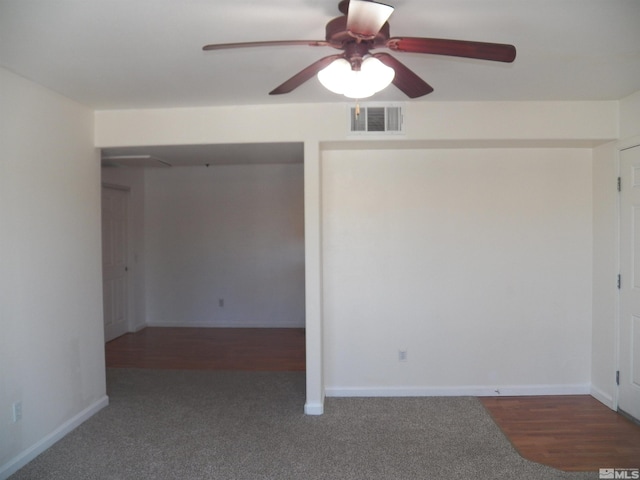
115, 239
629, 339
217, 235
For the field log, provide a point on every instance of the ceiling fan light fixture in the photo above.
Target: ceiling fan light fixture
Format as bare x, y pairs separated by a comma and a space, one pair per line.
378, 75
335, 76
372, 77
362, 27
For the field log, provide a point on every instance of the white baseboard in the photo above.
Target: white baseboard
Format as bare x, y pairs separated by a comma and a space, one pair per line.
602, 397
224, 325
137, 328
24, 457
461, 391
313, 408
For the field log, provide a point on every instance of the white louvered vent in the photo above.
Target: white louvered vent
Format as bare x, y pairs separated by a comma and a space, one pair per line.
375, 119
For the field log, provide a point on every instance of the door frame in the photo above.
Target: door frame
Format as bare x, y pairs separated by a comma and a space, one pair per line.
130, 306
620, 147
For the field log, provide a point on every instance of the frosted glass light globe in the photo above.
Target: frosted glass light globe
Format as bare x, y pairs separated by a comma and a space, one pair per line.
372, 77
376, 74
335, 76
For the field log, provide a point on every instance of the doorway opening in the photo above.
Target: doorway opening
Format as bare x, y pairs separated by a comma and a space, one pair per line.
217, 250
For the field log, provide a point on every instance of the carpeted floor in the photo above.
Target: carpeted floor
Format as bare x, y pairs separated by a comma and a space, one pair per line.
184, 425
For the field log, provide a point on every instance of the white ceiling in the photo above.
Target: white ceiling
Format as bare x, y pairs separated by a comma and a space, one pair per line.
209, 155
120, 54
111, 54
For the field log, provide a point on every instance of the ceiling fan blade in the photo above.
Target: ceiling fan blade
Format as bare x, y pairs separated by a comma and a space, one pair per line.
498, 52
273, 43
407, 81
304, 75
366, 18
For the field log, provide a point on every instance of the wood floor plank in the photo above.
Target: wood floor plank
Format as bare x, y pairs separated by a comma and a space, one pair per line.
571, 433
265, 349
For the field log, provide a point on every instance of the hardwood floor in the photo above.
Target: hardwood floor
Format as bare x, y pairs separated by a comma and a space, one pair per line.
572, 433
266, 349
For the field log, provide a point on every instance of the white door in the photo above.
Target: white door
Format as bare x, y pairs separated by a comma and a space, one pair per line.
114, 262
629, 390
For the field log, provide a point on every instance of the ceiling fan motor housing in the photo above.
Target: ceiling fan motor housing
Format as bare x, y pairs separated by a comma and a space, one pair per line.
337, 35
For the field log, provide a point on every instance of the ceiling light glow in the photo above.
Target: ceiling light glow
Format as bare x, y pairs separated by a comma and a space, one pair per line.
372, 77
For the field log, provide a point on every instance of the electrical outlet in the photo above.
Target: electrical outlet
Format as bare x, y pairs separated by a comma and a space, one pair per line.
402, 355
17, 412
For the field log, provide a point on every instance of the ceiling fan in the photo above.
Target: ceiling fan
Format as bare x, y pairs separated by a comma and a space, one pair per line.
363, 27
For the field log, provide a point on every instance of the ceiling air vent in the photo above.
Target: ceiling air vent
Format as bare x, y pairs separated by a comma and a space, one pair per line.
375, 119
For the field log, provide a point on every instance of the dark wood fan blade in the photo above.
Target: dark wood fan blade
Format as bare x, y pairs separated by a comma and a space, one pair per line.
304, 75
366, 18
407, 81
273, 43
498, 52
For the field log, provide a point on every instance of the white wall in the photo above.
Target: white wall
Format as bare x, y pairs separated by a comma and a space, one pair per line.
463, 125
630, 116
133, 180
425, 121
476, 262
234, 233
51, 347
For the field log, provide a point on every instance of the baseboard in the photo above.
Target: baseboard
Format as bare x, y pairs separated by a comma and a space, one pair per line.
19, 461
223, 325
137, 328
602, 397
629, 417
462, 391
313, 408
